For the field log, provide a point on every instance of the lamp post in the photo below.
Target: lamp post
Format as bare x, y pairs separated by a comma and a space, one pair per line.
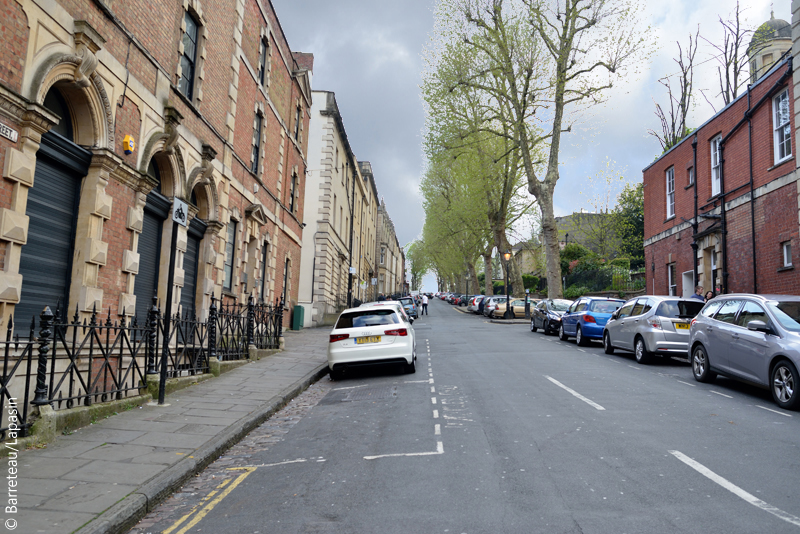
467, 295
508, 313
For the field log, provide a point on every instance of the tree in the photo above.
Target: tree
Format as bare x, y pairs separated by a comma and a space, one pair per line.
731, 55
629, 222
537, 63
418, 263
673, 120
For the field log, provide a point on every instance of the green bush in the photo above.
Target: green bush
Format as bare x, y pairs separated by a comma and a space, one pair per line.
530, 281
622, 263
573, 292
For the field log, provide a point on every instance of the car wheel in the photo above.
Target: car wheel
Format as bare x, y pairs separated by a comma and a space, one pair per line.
561, 334
784, 385
533, 326
607, 348
701, 368
580, 339
643, 356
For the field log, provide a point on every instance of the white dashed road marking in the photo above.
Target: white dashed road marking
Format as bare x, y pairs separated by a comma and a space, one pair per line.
575, 393
720, 394
687, 383
736, 490
773, 411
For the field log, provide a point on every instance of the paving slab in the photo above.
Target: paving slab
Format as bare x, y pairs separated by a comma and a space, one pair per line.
103, 478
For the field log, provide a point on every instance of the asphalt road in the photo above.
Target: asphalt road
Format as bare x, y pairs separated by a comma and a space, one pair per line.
505, 430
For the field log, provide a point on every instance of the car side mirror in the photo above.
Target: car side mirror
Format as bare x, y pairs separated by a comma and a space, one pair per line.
615, 315
759, 326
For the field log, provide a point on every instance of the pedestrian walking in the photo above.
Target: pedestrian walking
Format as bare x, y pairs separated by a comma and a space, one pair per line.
424, 305
698, 293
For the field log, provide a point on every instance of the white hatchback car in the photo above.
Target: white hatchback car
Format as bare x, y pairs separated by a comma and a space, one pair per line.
371, 335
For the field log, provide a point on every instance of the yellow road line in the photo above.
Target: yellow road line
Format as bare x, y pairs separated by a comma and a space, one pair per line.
210, 506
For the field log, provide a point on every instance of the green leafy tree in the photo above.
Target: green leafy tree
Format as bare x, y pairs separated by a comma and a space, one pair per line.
629, 223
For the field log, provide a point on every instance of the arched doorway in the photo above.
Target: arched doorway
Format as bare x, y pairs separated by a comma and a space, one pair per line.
46, 258
156, 211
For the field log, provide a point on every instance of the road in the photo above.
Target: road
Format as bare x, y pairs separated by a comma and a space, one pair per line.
505, 430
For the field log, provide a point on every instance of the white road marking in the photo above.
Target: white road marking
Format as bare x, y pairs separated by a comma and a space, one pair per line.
439, 450
437, 430
436, 414
413, 382
430, 381
581, 350
687, 383
433, 400
433, 389
773, 411
736, 490
638, 368
298, 461
351, 387
720, 394
574, 393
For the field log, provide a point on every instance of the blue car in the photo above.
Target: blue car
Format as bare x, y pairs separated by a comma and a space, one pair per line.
586, 318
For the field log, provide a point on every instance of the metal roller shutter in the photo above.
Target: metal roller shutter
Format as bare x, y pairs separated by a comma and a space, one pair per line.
46, 258
149, 250
190, 262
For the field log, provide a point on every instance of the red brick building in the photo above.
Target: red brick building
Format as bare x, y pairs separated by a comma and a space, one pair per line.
721, 207
110, 110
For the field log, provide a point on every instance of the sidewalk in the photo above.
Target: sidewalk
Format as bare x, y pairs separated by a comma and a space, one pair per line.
105, 477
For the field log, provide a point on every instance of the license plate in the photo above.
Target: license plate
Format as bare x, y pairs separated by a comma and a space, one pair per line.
681, 326
369, 339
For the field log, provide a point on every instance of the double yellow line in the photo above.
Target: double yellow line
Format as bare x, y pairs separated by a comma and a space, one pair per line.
220, 492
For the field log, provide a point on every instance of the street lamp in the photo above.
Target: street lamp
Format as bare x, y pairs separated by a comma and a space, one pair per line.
467, 295
508, 313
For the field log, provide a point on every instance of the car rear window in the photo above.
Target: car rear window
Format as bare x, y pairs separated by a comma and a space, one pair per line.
605, 306
366, 318
788, 314
679, 309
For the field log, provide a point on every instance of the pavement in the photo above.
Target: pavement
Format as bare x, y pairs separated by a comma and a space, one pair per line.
105, 477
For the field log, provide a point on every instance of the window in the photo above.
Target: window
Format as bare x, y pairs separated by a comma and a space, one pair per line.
230, 248
727, 313
672, 280
670, 192
713, 267
292, 192
782, 126
753, 71
751, 312
297, 123
626, 310
334, 211
786, 248
189, 57
262, 60
257, 124
263, 282
383, 255
691, 175
716, 168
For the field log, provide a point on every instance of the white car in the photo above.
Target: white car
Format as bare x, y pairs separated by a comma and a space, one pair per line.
371, 335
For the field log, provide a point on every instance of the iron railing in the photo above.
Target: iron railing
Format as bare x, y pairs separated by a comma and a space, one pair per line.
265, 323
229, 322
18, 358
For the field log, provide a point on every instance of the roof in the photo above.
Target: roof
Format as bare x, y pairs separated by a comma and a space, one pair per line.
772, 29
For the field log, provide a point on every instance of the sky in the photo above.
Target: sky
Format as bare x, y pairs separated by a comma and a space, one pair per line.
370, 54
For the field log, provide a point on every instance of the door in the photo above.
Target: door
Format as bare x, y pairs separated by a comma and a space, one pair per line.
46, 258
720, 332
145, 285
190, 262
687, 284
748, 352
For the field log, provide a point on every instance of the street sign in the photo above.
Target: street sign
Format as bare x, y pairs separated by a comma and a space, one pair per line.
374, 282
180, 212
352, 270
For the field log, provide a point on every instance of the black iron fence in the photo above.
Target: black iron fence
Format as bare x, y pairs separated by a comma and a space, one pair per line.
74, 362
604, 279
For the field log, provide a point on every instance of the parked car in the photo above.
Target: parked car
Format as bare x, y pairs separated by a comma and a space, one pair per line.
517, 309
547, 315
491, 303
371, 335
586, 317
474, 304
651, 325
751, 338
410, 306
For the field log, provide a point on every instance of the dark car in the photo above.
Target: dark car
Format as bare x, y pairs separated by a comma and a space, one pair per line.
547, 315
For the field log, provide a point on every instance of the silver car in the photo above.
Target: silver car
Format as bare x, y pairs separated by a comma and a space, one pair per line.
752, 338
651, 325
491, 304
474, 302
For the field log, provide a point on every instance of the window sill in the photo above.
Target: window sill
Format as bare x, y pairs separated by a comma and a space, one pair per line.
671, 217
786, 268
688, 187
778, 164
228, 293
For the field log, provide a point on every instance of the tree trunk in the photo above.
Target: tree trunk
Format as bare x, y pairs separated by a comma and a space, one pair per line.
488, 275
552, 250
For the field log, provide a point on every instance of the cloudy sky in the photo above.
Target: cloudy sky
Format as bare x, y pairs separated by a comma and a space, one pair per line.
370, 54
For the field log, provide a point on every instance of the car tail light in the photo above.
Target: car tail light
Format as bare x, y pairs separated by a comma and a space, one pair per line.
397, 332
338, 337
654, 321
589, 319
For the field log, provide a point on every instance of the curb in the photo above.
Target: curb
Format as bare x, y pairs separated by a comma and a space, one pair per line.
509, 321
124, 515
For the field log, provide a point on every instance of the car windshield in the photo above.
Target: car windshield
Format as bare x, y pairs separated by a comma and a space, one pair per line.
605, 306
358, 319
679, 309
558, 305
787, 313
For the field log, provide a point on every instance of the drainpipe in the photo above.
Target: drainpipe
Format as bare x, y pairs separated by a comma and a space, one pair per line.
723, 219
694, 221
752, 191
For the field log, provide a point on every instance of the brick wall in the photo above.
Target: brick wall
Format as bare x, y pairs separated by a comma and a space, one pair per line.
14, 36
111, 279
128, 122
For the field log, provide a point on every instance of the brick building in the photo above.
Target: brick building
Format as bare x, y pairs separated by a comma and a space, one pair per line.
721, 206
217, 106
